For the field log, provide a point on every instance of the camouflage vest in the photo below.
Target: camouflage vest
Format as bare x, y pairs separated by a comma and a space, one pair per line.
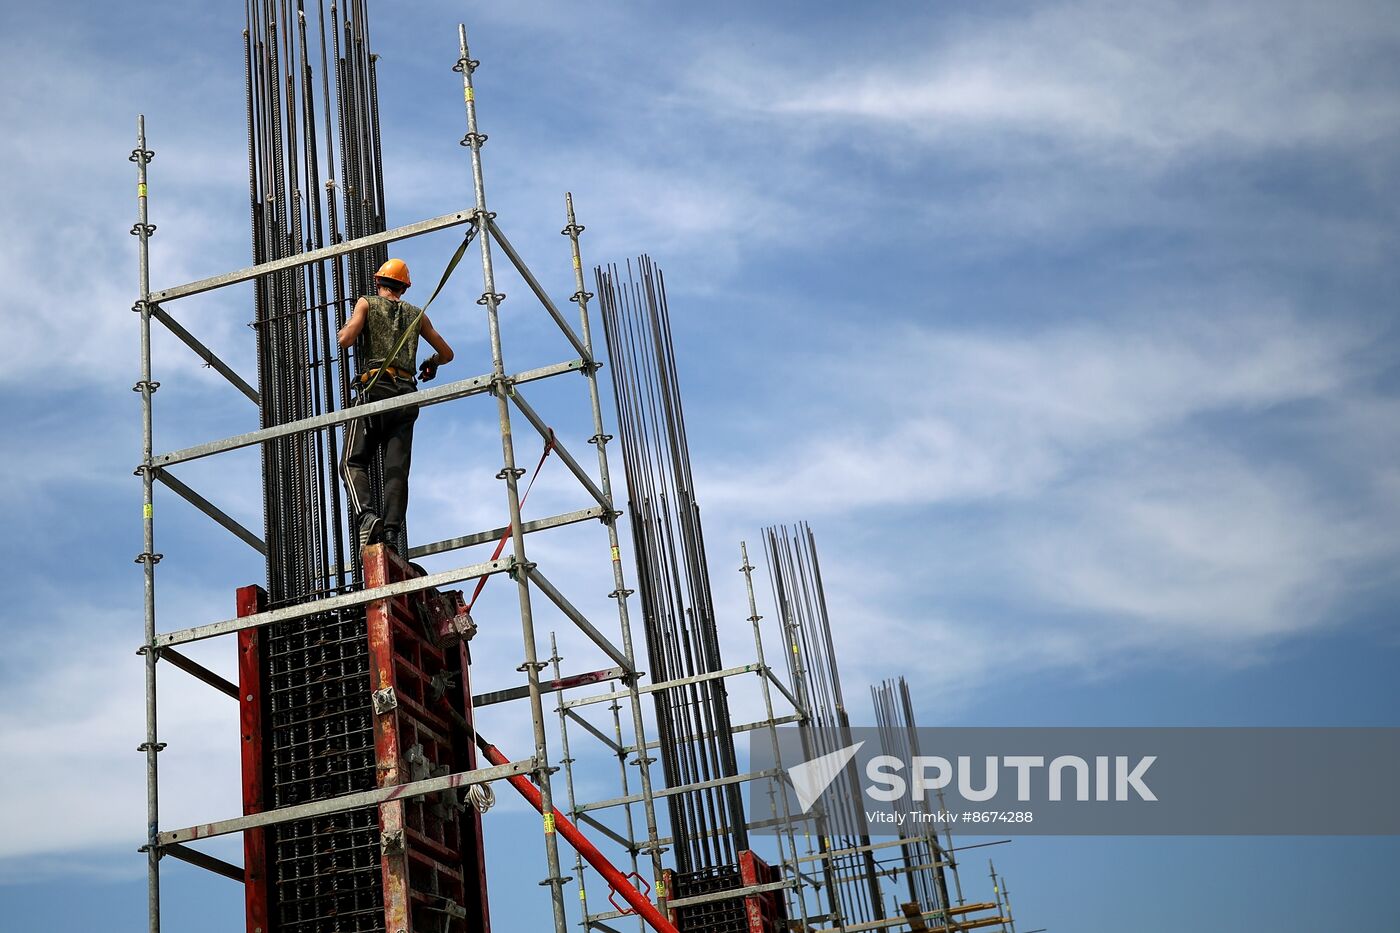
384, 327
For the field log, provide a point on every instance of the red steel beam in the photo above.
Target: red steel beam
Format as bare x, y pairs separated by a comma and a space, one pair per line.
642, 905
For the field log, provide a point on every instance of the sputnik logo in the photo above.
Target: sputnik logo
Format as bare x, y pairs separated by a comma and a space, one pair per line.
811, 778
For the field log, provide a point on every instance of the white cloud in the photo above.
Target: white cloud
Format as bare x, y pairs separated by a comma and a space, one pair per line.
1115, 512
1147, 80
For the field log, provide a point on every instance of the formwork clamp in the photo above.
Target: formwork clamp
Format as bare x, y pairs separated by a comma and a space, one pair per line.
623, 908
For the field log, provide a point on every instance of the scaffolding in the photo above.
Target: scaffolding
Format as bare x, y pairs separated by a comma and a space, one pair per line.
531, 581
843, 866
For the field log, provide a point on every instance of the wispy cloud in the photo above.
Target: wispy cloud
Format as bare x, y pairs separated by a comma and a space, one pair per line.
1087, 492
1148, 80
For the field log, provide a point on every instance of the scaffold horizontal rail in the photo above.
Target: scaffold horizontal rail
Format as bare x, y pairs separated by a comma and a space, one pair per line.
872, 847
332, 603
664, 685
549, 686
365, 798
901, 919
679, 789
752, 825
710, 898
734, 730
316, 255
453, 390
494, 534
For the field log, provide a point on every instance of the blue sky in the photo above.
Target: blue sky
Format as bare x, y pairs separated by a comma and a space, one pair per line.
1069, 326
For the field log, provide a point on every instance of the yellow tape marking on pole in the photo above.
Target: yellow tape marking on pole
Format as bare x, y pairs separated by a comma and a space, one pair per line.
549, 822
141, 189
577, 263
616, 554
147, 510
469, 94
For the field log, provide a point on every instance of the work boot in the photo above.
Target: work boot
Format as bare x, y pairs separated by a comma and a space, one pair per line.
371, 528
391, 538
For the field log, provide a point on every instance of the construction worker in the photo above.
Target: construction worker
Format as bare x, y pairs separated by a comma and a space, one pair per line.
386, 361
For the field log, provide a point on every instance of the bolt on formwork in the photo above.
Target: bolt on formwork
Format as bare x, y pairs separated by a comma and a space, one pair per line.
338, 595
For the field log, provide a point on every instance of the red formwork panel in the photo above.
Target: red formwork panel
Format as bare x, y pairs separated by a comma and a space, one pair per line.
252, 599
432, 851
766, 911
762, 912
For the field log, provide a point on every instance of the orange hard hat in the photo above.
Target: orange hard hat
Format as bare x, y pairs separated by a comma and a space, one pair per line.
395, 270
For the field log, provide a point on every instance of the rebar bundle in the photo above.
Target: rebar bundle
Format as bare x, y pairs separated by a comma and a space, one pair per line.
696, 744
315, 179
852, 878
923, 858
296, 125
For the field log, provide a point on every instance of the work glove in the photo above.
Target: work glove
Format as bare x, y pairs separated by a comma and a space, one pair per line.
428, 369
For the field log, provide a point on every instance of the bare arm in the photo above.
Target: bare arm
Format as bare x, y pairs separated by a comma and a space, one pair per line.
430, 334
428, 369
351, 331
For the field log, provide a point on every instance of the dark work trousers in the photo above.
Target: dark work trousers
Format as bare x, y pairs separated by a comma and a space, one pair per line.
391, 433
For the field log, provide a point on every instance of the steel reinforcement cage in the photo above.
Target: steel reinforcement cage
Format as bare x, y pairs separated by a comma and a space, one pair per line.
757, 888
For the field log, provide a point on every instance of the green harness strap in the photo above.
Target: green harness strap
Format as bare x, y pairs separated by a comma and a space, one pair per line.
446, 274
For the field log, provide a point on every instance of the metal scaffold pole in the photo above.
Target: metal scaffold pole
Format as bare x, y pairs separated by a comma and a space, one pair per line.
148, 558
502, 389
567, 761
754, 618
620, 592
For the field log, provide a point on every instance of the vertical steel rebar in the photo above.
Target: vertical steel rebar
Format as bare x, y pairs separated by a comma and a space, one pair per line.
511, 474
620, 592
696, 743
148, 559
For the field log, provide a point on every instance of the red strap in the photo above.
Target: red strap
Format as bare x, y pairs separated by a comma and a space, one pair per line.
501, 545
